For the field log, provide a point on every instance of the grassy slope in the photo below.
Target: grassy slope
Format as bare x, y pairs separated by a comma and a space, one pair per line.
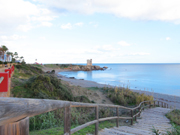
174, 117
51, 66
60, 130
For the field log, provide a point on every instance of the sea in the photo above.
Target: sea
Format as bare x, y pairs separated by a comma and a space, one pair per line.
159, 78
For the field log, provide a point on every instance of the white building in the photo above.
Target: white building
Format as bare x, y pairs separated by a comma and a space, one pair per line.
6, 58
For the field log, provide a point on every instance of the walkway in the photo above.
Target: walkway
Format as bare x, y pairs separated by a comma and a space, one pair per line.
154, 117
3, 68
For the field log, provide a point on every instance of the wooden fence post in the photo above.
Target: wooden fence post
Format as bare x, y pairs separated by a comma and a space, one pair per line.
97, 118
132, 117
139, 111
117, 120
67, 120
135, 116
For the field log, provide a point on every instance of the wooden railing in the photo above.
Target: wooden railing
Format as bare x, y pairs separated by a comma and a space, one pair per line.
14, 109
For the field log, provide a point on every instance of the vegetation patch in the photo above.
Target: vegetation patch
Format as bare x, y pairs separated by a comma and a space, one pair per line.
37, 65
60, 130
51, 65
174, 116
26, 70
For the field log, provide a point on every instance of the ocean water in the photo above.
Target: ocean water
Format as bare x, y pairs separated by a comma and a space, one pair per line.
160, 78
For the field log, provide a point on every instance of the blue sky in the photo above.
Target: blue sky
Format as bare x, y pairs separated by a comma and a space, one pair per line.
108, 31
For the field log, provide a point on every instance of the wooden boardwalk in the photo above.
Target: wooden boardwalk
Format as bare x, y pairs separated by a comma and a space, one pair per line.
154, 117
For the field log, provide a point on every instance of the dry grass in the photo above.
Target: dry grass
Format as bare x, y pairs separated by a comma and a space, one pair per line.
174, 116
124, 96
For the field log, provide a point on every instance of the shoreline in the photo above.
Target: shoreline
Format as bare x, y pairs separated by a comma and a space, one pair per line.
170, 99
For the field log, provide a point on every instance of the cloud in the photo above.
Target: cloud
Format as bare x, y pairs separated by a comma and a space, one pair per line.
94, 24
42, 38
163, 10
123, 43
139, 53
66, 26
70, 26
13, 37
48, 24
25, 27
23, 15
168, 38
79, 24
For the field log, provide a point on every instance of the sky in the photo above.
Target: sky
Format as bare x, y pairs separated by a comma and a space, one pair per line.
106, 31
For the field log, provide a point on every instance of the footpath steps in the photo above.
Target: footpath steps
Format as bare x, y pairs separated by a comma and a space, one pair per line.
154, 117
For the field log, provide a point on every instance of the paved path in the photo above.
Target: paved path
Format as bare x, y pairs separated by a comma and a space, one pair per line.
2, 69
149, 118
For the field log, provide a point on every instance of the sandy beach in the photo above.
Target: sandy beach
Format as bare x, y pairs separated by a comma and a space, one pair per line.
173, 101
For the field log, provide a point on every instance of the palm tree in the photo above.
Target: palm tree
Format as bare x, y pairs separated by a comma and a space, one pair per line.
3, 49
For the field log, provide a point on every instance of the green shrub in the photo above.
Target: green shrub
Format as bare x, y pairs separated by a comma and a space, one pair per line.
124, 96
5, 62
174, 116
1, 62
44, 121
28, 69
82, 99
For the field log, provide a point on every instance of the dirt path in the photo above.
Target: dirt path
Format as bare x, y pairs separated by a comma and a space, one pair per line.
3, 68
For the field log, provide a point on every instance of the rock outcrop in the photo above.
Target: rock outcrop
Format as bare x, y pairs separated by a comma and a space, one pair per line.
76, 68
87, 68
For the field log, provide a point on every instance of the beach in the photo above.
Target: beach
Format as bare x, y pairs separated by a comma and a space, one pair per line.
173, 101
169, 99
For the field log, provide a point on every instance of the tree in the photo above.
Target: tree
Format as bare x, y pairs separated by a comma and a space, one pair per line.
16, 55
3, 49
1, 53
21, 58
9, 54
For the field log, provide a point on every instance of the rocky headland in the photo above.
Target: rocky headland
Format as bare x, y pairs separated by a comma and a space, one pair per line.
85, 68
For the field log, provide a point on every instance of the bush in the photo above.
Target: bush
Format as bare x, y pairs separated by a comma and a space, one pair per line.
82, 99
5, 62
1, 62
174, 116
43, 87
124, 96
28, 69
44, 121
